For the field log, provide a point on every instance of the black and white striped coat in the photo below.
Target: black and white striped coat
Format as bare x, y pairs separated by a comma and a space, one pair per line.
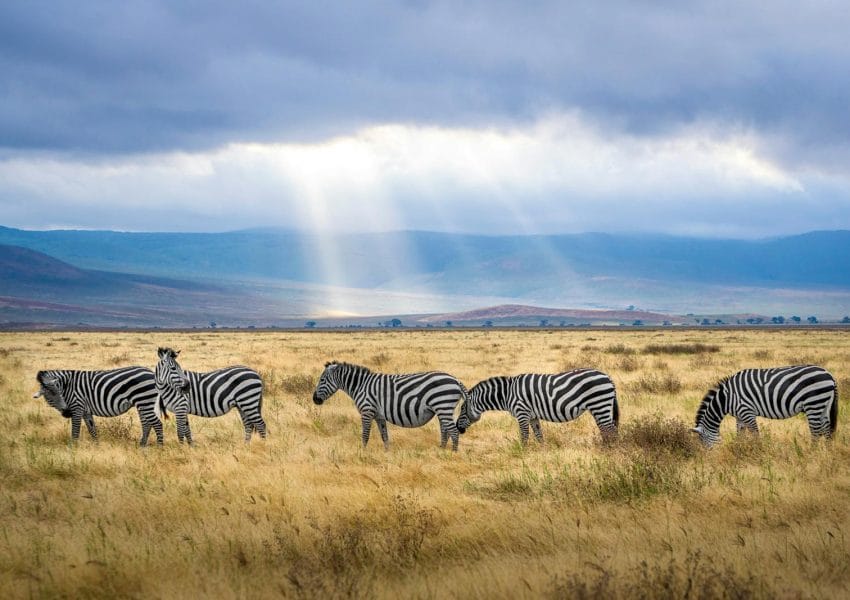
408, 400
531, 398
210, 394
776, 393
83, 395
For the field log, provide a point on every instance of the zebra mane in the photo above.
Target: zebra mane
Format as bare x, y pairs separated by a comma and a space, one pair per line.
489, 380
349, 365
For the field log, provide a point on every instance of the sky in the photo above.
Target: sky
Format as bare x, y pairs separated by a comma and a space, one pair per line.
718, 119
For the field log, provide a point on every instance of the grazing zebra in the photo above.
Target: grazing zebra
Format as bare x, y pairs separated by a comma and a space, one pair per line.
409, 400
209, 394
530, 398
776, 393
83, 395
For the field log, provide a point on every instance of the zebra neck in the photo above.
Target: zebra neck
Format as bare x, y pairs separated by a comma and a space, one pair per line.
351, 380
492, 403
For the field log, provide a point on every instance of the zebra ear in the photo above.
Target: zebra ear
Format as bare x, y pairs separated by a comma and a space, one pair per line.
40, 377
38, 394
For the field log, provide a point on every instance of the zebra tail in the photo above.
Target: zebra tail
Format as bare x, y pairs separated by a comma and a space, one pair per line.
833, 411
159, 409
616, 413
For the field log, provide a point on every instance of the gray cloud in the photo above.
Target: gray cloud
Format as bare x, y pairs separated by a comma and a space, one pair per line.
148, 76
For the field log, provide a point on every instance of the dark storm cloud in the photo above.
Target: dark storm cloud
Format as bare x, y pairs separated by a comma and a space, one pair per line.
104, 77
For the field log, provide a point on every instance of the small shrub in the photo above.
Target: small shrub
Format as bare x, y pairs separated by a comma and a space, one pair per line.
695, 348
691, 578
654, 383
379, 360
629, 363
657, 433
298, 384
619, 349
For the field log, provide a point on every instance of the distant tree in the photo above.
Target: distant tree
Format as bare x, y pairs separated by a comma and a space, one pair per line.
544, 322
813, 319
488, 323
396, 322
310, 324
449, 323
667, 323
778, 320
637, 323
212, 325
563, 323
696, 321
845, 320
706, 322
630, 307
759, 320
796, 319
718, 321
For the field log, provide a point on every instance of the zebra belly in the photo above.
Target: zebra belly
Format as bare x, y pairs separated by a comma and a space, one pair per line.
412, 415
209, 410
119, 408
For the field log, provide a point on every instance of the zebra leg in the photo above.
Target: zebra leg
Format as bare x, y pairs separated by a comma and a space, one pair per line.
247, 425
444, 435
157, 428
260, 427
538, 433
76, 421
748, 423
818, 423
604, 418
385, 436
366, 420
183, 431
90, 426
524, 422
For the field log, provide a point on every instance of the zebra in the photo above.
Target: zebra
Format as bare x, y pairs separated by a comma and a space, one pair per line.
209, 394
558, 397
408, 400
776, 393
83, 395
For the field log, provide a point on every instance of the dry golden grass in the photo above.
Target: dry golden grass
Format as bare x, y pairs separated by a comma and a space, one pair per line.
309, 513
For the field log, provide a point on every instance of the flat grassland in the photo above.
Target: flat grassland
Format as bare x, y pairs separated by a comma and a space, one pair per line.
310, 513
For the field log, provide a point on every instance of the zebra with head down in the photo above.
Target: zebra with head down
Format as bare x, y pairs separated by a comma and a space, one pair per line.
82, 395
531, 398
776, 393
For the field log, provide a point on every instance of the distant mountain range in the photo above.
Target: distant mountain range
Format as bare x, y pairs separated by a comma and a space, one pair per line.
263, 277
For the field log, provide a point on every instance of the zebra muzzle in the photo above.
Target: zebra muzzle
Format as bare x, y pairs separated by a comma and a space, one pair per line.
317, 399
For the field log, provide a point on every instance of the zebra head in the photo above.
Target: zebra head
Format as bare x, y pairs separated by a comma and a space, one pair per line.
328, 383
467, 415
169, 374
53, 390
709, 415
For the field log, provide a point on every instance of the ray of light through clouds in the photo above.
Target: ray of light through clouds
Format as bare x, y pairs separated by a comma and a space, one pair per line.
719, 119
558, 175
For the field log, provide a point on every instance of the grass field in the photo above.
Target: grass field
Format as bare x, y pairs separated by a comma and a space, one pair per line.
309, 513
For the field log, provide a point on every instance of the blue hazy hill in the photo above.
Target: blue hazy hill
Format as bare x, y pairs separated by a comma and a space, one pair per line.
509, 264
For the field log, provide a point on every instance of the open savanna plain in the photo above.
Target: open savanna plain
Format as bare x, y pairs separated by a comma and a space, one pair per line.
309, 513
